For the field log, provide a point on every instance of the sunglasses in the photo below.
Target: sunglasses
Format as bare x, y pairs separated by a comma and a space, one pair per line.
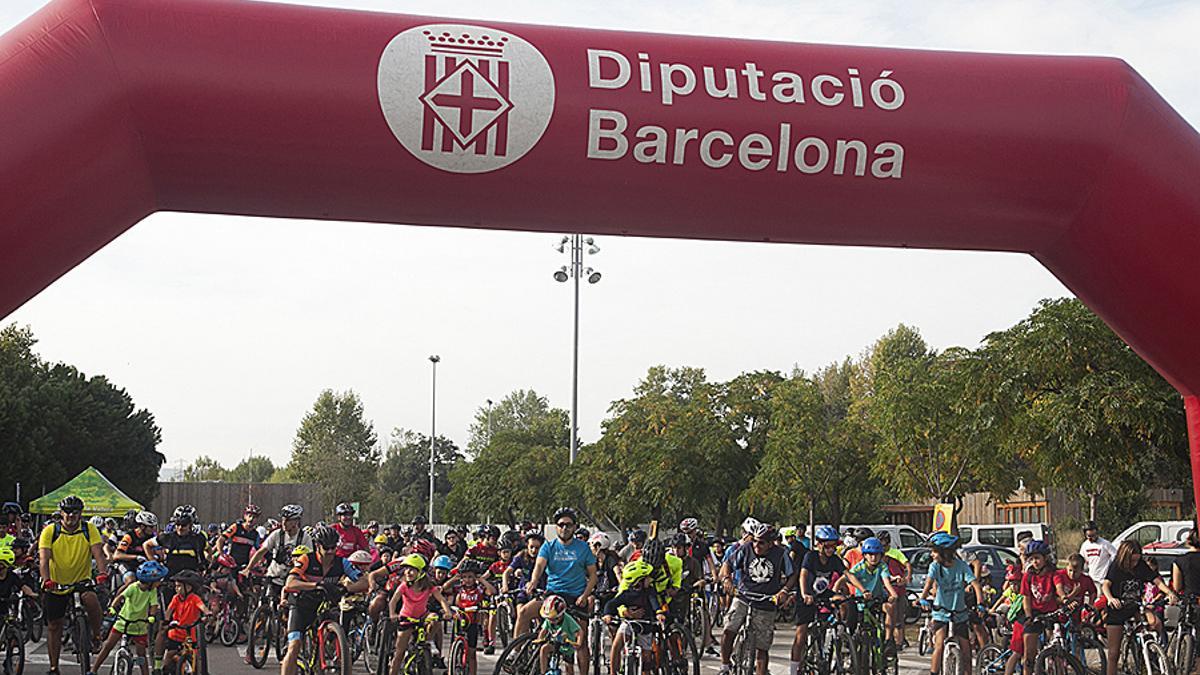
565, 525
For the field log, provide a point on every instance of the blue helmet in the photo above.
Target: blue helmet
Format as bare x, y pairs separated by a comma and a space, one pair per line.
943, 540
151, 571
872, 545
443, 562
1036, 546
827, 533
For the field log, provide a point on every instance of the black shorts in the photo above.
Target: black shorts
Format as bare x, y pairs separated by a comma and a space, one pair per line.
300, 618
804, 614
170, 645
54, 605
1119, 617
580, 613
472, 635
960, 628
1034, 626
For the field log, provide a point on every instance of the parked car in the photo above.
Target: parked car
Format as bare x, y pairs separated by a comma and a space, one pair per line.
996, 558
1151, 531
903, 536
1006, 535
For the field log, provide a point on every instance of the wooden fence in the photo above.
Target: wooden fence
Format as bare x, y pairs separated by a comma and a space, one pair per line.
223, 502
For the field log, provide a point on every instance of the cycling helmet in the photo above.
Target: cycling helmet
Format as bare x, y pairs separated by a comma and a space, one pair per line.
151, 571
566, 511
325, 537
491, 531
583, 533
129, 520
146, 519
749, 524
443, 562
272, 524
301, 549
19, 543
1037, 546
654, 553
872, 545
419, 520
360, 558
225, 560
510, 539
343, 509
12, 508
864, 533
7, 557
291, 511
553, 607
252, 510
189, 577
601, 538
638, 536
689, 525
680, 539
381, 539
943, 540
425, 548
97, 521
470, 566
758, 530
788, 531
636, 570
71, 504
827, 533
414, 560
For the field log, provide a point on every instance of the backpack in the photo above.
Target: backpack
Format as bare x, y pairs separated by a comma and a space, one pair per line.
86, 529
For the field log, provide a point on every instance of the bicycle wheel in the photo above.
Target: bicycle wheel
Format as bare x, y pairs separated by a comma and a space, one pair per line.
456, 664
1184, 650
924, 642
519, 657
743, 656
503, 625
228, 627
990, 660
385, 644
333, 651
277, 632
13, 647
259, 644
843, 657
1095, 656
188, 663
32, 612
682, 657
123, 665
1156, 658
81, 636
1058, 661
951, 656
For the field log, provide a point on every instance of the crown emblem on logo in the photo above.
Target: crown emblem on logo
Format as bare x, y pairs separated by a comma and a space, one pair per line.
448, 92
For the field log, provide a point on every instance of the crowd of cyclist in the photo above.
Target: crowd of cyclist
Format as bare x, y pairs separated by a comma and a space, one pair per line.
172, 574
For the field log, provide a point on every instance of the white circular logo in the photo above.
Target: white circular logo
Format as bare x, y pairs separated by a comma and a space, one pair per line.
465, 99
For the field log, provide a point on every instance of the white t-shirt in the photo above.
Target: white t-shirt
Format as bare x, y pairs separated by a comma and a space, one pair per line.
280, 557
1099, 556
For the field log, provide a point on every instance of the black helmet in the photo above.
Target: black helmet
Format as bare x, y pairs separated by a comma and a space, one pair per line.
654, 553
190, 577
680, 539
19, 542
325, 537
638, 536
510, 539
419, 520
291, 511
12, 508
470, 566
343, 509
583, 533
566, 511
863, 533
70, 504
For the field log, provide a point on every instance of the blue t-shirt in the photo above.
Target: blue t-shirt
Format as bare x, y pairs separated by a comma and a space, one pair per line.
731, 551
951, 587
872, 580
566, 566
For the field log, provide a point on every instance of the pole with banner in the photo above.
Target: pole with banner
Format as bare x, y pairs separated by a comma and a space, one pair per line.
943, 518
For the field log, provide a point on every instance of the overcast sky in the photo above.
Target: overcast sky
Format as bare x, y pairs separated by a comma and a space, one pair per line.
227, 328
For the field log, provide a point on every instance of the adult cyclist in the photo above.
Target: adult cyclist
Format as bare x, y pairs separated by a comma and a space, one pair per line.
67, 550
131, 550
316, 574
350, 537
570, 570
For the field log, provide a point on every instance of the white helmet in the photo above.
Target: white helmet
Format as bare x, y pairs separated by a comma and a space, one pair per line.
849, 540
146, 519
601, 538
98, 521
750, 524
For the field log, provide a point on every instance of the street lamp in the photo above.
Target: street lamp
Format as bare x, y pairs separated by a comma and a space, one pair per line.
432, 432
575, 270
489, 422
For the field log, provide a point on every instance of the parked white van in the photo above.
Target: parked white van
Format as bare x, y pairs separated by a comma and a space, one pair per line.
1006, 535
903, 536
1151, 531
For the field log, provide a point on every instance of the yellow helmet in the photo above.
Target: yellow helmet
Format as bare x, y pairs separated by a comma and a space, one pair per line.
381, 539
7, 557
635, 571
301, 550
415, 561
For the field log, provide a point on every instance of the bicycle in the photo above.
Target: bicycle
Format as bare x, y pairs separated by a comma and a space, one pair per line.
29, 617
520, 657
830, 648
1181, 648
418, 658
191, 659
224, 624
267, 626
599, 635
872, 638
1141, 653
358, 627
743, 655
77, 630
12, 643
506, 614
458, 662
951, 651
323, 646
1058, 654
925, 634
552, 662
124, 657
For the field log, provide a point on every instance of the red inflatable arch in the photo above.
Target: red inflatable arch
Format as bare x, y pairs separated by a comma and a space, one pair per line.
113, 109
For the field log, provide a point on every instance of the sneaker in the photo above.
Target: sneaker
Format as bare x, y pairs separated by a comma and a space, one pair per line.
489, 649
711, 650
726, 669
439, 662
889, 648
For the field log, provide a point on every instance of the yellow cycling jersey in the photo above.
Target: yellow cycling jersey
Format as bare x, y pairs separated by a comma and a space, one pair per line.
671, 578
70, 552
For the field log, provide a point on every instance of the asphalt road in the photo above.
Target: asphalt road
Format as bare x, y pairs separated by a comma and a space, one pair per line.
226, 660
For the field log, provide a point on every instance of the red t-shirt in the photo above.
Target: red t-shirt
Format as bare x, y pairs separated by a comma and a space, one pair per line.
351, 539
497, 568
469, 598
1040, 587
184, 610
1069, 585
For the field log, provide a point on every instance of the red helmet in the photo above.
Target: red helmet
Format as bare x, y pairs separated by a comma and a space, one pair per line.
425, 548
225, 560
253, 510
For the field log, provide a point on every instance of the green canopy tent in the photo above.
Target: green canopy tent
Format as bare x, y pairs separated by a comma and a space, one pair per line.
100, 497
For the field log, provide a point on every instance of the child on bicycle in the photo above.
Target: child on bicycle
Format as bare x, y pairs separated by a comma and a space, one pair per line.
1122, 588
952, 577
135, 607
559, 631
638, 600
495, 574
469, 593
1075, 588
1038, 596
871, 579
183, 613
412, 595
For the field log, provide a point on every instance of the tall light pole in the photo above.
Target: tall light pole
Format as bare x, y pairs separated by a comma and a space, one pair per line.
489, 422
576, 271
432, 432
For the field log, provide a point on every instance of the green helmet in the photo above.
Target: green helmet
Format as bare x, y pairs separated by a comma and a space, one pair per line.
635, 571
7, 557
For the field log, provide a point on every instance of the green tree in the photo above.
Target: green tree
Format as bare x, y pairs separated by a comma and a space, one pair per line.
1083, 411
524, 410
401, 489
55, 422
335, 447
253, 469
205, 468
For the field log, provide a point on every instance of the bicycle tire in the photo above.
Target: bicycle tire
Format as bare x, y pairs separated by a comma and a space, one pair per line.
1157, 658
1090, 646
188, 666
503, 625
682, 656
1186, 654
82, 639
258, 644
990, 660
843, 657
1058, 661
424, 661
951, 656
924, 643
33, 619
278, 626
743, 658
13, 645
385, 644
123, 665
228, 628
518, 658
456, 664
333, 650
600, 644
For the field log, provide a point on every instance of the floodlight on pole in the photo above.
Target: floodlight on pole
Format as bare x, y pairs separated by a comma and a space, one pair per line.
576, 271
432, 432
